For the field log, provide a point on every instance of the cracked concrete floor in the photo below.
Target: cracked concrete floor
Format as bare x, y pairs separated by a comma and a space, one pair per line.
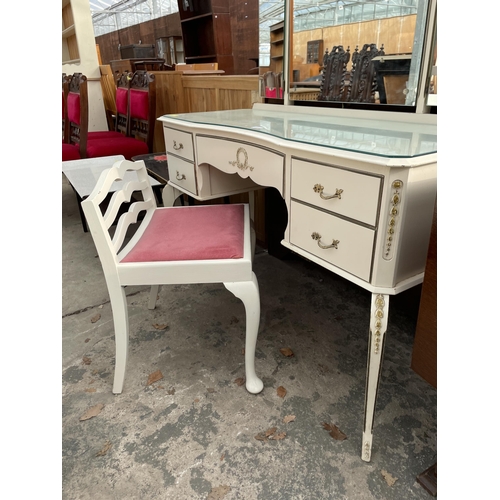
192, 433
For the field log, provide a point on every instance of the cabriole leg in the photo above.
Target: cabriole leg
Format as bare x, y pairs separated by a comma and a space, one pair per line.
378, 326
248, 293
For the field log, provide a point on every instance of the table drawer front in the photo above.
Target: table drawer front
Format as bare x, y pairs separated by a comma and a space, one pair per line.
182, 173
358, 194
179, 143
262, 165
355, 242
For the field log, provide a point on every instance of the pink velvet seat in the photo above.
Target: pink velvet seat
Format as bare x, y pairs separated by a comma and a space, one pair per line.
174, 245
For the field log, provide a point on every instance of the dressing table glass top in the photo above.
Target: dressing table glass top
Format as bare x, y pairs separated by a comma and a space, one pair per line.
380, 137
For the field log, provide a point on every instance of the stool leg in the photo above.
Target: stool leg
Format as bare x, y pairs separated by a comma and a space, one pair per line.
120, 319
378, 326
248, 293
153, 294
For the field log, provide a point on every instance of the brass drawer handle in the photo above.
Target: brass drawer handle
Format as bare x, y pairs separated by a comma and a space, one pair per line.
317, 237
178, 147
318, 188
180, 177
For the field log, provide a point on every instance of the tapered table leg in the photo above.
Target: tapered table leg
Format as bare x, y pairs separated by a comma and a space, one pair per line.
378, 326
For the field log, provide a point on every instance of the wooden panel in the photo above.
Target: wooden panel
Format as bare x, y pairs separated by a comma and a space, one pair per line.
169, 99
67, 17
73, 48
424, 356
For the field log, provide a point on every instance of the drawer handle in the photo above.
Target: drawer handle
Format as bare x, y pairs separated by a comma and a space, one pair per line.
317, 237
180, 177
237, 162
178, 147
318, 188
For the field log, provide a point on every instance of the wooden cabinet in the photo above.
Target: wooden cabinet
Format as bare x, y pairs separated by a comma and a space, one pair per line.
70, 51
206, 32
277, 47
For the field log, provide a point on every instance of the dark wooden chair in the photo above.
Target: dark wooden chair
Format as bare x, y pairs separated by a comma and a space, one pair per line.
142, 107
69, 151
363, 81
127, 140
334, 85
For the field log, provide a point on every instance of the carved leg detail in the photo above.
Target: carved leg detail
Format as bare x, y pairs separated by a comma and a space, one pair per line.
378, 326
248, 292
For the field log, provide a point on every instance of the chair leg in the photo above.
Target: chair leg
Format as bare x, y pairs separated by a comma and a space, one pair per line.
120, 319
153, 295
248, 293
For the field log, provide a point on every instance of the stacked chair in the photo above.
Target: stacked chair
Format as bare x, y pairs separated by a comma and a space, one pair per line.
134, 123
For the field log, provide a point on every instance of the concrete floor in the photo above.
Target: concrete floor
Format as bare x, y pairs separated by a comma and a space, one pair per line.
192, 434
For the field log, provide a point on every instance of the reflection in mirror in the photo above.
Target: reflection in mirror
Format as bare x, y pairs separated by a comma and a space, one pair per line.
271, 47
366, 51
433, 82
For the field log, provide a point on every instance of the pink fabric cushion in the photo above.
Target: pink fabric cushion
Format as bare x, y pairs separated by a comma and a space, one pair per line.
73, 104
70, 152
139, 104
121, 100
122, 145
192, 233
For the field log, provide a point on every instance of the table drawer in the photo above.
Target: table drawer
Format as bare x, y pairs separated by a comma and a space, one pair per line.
355, 242
263, 165
182, 173
359, 193
178, 143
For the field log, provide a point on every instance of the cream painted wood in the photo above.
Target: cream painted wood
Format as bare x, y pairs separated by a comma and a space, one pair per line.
395, 158
379, 313
182, 174
179, 143
353, 243
353, 194
236, 274
263, 165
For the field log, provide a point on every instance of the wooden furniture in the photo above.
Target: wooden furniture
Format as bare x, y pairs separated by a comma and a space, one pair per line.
132, 138
359, 192
206, 32
70, 50
142, 107
315, 52
424, 355
171, 49
392, 73
175, 245
277, 36
363, 82
121, 65
334, 84
137, 51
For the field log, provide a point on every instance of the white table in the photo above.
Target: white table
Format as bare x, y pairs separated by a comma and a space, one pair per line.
83, 176
359, 187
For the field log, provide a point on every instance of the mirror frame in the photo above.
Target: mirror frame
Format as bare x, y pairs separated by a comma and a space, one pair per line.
426, 30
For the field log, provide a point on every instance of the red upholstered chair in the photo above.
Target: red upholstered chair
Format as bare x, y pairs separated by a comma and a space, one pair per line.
142, 115
101, 143
172, 245
69, 151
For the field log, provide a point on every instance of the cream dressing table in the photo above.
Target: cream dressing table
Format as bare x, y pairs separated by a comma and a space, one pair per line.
359, 187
